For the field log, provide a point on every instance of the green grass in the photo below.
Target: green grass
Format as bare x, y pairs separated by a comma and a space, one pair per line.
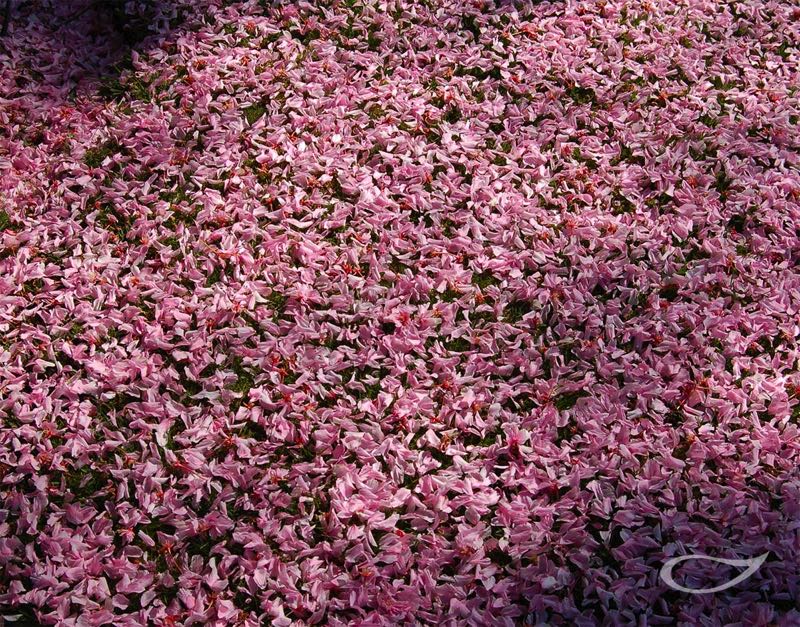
516, 310
94, 157
254, 112
458, 345
214, 277
581, 95
277, 302
244, 379
568, 399
5, 221
484, 280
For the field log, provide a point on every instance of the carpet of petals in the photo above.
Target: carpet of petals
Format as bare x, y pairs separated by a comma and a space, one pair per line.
383, 312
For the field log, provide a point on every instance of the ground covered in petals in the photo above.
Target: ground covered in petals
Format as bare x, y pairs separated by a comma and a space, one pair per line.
399, 312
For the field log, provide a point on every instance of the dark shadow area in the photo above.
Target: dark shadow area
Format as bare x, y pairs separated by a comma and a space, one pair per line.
603, 573
63, 50
22, 616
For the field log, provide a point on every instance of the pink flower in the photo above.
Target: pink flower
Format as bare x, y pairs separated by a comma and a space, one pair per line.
397, 313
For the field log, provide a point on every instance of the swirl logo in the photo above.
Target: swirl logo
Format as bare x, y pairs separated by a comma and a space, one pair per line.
751, 565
